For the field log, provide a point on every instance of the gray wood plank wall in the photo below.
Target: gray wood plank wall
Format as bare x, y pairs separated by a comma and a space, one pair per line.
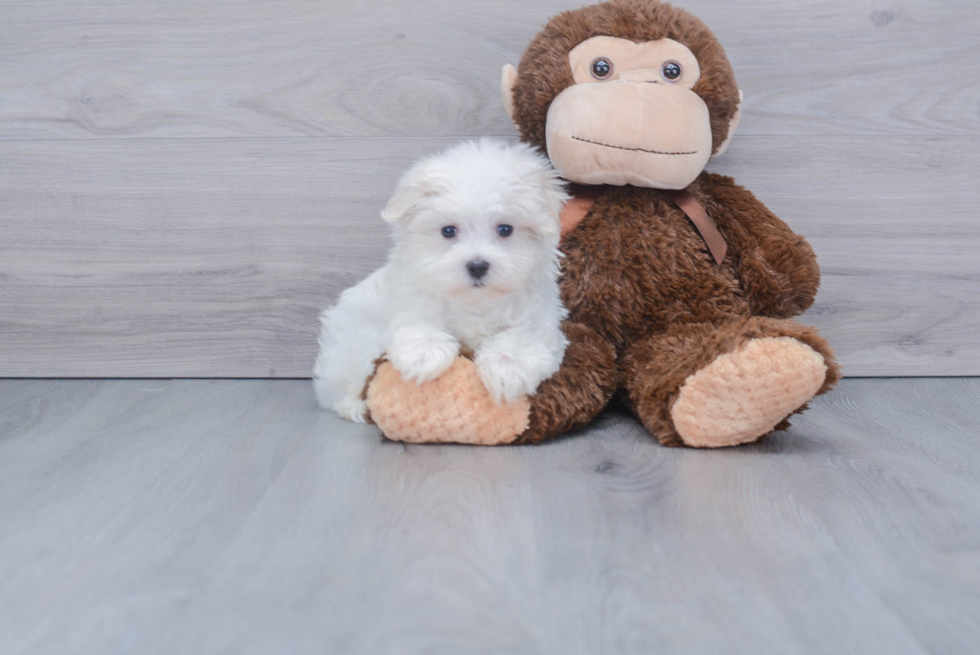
183, 185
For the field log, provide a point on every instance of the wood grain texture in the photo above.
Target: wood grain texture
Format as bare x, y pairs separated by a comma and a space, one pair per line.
211, 258
184, 185
106, 69
234, 516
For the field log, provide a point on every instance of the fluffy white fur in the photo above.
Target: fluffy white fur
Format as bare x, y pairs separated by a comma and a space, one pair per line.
424, 304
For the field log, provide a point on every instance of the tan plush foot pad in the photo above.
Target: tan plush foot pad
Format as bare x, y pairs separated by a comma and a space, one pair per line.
744, 394
455, 408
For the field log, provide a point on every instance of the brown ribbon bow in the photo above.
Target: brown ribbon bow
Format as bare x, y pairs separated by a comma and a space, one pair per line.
580, 204
705, 224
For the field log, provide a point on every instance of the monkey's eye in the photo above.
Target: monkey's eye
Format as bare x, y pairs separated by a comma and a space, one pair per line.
671, 71
601, 68
505, 230
449, 231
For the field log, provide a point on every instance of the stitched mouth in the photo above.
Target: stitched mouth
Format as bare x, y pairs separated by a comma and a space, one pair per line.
652, 152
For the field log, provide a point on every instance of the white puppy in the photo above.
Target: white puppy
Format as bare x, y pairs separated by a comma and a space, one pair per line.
474, 263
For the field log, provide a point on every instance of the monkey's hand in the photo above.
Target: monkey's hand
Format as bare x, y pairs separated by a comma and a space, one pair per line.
777, 267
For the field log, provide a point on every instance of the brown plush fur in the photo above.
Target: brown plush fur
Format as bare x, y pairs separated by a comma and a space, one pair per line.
636, 266
572, 397
637, 272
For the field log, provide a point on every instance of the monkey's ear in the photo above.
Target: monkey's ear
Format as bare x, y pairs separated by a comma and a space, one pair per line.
732, 125
508, 77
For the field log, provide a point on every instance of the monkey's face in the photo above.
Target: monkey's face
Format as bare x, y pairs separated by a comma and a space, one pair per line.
631, 116
625, 92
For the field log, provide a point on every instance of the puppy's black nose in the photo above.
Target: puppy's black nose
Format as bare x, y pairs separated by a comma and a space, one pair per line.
477, 268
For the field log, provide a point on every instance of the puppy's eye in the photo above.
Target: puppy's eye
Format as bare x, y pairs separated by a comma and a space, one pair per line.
505, 230
449, 231
601, 68
671, 71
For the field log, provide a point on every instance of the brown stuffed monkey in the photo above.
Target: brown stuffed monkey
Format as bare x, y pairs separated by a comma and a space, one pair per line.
680, 283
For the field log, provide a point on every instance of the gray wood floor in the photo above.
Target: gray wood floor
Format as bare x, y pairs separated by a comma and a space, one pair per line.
185, 184
234, 517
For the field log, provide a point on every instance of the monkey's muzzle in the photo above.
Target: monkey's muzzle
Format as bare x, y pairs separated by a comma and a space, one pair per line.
621, 132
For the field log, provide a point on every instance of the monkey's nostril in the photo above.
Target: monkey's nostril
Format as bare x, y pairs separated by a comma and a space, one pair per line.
477, 268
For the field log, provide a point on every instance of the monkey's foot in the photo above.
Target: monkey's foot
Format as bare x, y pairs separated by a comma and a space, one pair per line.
453, 408
747, 393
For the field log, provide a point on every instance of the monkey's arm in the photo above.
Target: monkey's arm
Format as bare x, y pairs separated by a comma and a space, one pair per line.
777, 268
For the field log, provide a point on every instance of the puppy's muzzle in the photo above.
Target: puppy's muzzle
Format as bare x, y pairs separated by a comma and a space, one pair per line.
477, 269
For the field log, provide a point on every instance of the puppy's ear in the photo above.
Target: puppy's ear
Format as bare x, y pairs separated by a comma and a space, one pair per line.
409, 193
555, 197
418, 184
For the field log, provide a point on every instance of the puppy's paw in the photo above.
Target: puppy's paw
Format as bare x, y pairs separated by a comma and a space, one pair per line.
352, 408
504, 376
421, 355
